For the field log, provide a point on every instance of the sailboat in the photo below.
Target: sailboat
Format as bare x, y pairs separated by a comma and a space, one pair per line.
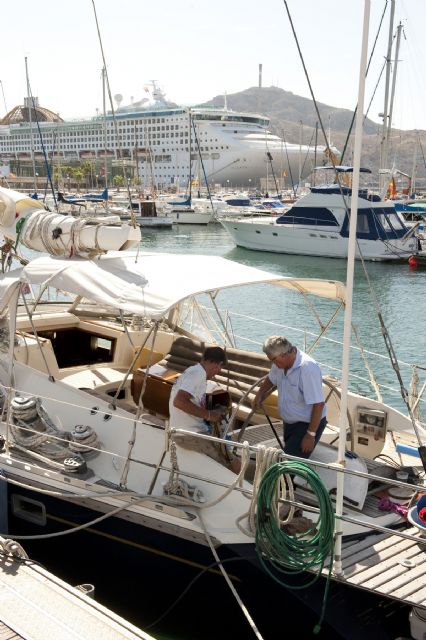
90, 346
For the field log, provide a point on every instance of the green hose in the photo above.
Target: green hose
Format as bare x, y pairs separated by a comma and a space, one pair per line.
293, 555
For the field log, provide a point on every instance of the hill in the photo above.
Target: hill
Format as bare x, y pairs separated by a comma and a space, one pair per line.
294, 118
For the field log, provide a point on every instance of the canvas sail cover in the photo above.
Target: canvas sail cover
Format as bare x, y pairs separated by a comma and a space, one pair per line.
153, 284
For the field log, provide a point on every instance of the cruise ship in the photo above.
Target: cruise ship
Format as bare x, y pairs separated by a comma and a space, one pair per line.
163, 144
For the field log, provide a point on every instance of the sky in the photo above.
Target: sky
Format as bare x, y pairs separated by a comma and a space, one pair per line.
198, 49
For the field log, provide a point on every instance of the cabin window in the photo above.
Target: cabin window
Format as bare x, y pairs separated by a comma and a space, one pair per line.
319, 216
74, 347
362, 223
395, 222
384, 221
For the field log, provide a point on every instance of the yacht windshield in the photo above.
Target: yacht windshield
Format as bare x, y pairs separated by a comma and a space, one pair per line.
389, 220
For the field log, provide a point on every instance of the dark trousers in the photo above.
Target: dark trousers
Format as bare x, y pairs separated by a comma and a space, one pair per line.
294, 434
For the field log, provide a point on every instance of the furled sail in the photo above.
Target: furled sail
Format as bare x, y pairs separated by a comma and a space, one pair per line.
25, 220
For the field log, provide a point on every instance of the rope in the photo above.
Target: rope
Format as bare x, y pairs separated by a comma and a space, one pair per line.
293, 555
229, 583
265, 457
9, 547
86, 525
176, 484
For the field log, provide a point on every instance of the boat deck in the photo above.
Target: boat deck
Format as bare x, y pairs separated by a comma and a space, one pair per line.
390, 566
386, 564
6, 633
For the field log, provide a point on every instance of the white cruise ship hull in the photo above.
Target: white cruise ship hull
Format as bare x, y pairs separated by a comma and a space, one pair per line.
161, 149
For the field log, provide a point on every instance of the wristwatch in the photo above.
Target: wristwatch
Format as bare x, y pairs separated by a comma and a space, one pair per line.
311, 433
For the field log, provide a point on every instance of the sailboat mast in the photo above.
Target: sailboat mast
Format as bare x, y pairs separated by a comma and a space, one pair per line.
29, 99
190, 155
104, 128
383, 149
349, 287
395, 69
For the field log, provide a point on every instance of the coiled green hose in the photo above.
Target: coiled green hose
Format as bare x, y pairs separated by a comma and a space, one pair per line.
293, 555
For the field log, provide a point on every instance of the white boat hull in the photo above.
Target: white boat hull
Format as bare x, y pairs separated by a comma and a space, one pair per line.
157, 222
192, 217
263, 234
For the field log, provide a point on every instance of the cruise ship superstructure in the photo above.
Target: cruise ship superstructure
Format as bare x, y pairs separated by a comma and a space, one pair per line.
154, 136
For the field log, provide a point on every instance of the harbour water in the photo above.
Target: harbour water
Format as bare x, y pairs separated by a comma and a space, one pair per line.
203, 614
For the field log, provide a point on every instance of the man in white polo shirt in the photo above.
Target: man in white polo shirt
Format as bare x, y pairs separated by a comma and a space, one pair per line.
298, 379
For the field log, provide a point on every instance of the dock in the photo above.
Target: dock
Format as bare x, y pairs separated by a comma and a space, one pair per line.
35, 605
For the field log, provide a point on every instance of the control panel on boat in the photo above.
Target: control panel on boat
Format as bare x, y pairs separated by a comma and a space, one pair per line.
370, 431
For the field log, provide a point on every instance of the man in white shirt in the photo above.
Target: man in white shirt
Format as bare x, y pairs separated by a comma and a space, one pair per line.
187, 406
298, 379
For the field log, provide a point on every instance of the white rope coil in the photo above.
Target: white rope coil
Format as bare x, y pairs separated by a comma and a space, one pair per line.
265, 457
84, 440
12, 548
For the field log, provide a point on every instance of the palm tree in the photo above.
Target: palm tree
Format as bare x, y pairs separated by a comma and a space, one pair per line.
87, 169
118, 181
78, 176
